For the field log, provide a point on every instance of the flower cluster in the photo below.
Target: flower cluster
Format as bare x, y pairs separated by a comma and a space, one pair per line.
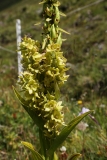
44, 68
43, 74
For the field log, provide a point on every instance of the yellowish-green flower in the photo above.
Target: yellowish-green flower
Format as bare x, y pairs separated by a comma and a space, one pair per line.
38, 82
44, 71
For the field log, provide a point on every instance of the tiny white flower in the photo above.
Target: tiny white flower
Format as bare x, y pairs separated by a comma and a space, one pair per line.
63, 149
84, 110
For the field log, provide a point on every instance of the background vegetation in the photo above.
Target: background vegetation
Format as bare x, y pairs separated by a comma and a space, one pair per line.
86, 53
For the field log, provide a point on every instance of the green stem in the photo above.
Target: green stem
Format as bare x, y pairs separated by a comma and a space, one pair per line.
45, 145
42, 144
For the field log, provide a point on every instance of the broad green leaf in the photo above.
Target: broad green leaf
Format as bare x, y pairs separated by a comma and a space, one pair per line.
32, 112
22, 101
35, 154
62, 30
74, 156
65, 132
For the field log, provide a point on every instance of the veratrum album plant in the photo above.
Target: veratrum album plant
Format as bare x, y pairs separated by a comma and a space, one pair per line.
44, 68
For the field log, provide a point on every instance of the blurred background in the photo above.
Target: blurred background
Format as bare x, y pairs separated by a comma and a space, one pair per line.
86, 53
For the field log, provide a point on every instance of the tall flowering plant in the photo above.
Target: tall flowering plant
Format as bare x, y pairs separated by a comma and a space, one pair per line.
43, 74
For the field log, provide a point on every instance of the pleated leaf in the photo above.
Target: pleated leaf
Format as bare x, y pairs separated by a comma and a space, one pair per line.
32, 113
35, 154
65, 132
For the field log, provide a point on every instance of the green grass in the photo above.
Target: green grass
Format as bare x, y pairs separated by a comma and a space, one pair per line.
86, 52
92, 141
